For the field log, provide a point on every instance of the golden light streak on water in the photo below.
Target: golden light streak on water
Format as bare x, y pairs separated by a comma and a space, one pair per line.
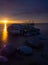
5, 34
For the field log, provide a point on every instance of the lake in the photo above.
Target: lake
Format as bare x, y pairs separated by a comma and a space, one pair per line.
6, 39
17, 41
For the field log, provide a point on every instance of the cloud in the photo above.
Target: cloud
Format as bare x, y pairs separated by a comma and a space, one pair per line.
24, 8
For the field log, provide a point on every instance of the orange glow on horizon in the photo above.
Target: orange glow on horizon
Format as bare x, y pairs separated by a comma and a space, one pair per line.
23, 21
5, 21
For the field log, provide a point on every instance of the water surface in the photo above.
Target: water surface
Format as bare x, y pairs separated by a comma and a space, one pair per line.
4, 37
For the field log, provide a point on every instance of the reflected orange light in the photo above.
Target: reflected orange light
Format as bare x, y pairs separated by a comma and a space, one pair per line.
5, 33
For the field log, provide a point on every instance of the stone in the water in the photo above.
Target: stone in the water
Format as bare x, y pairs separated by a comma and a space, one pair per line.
3, 59
8, 50
25, 50
35, 42
14, 29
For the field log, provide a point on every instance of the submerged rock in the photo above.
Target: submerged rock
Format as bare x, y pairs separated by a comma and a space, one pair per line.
3, 59
9, 50
34, 42
14, 29
25, 50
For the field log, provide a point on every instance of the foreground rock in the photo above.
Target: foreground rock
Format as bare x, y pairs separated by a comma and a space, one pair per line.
9, 50
24, 50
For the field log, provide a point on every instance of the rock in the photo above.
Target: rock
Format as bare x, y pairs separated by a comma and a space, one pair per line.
8, 50
34, 42
14, 29
3, 59
25, 50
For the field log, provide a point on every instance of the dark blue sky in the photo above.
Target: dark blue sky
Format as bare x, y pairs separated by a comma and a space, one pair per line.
24, 9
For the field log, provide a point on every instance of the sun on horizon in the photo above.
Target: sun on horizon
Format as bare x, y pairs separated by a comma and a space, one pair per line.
5, 21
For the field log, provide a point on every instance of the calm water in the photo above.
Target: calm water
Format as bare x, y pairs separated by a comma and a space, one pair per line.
44, 28
4, 34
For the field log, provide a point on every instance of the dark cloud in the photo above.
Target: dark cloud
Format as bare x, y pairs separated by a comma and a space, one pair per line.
23, 8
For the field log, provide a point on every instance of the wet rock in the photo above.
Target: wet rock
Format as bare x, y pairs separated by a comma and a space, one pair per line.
35, 42
3, 59
9, 50
25, 50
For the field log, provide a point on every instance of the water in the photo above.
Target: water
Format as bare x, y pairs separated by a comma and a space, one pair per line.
4, 34
43, 28
19, 41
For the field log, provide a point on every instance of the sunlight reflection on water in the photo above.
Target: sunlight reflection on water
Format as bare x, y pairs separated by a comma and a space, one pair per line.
5, 34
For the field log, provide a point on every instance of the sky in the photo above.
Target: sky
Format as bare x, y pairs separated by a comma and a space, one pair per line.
36, 10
